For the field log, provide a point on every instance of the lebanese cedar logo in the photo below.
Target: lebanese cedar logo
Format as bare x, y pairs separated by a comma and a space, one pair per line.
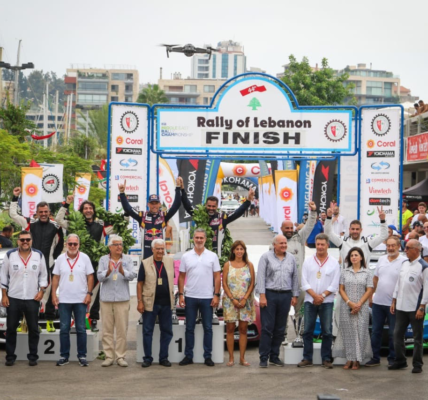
239, 170
286, 194
31, 190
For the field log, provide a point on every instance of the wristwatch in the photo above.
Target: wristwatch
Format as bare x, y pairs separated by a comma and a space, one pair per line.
90, 293
181, 294
323, 295
217, 294
43, 290
422, 309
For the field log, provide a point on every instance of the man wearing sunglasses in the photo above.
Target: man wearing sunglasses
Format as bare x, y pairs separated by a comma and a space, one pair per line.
73, 276
48, 238
408, 304
23, 282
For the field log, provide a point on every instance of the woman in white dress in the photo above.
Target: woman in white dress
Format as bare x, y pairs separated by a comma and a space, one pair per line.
356, 286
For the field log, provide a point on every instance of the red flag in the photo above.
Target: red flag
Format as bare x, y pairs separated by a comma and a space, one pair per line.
252, 89
33, 164
35, 137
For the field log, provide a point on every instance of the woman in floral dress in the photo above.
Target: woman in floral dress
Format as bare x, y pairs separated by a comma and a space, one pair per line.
238, 299
355, 288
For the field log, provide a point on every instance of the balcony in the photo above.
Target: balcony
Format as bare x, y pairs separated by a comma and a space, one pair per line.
182, 94
416, 125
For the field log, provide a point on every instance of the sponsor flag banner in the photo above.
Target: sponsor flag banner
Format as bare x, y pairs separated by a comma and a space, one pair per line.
244, 170
52, 191
31, 183
303, 188
81, 191
288, 164
417, 147
323, 184
286, 197
193, 174
348, 176
211, 172
380, 167
167, 186
217, 191
129, 157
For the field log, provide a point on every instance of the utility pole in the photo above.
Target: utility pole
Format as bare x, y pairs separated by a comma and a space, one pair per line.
1, 78
17, 75
46, 114
67, 120
87, 128
55, 137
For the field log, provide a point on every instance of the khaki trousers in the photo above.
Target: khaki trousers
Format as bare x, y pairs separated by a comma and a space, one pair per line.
114, 315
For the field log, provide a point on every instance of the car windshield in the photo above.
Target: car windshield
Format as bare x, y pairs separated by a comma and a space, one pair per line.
230, 203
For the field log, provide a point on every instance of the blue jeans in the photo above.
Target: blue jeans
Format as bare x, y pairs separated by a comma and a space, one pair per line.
273, 318
379, 315
192, 307
79, 312
165, 325
325, 312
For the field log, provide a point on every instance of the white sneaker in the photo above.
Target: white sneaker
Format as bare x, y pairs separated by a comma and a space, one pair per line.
285, 342
107, 362
121, 362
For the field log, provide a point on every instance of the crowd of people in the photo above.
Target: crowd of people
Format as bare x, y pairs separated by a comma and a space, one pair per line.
398, 291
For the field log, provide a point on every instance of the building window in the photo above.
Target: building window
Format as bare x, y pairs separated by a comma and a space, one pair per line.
114, 88
374, 88
128, 99
214, 65
91, 99
128, 88
206, 100
209, 88
190, 88
93, 86
173, 99
119, 76
387, 89
203, 69
114, 98
224, 65
203, 76
203, 61
235, 65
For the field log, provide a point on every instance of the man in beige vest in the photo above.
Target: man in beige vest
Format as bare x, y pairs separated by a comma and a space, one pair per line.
155, 291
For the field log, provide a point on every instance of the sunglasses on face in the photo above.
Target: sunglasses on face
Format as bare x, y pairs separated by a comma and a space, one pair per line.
25, 240
409, 248
73, 244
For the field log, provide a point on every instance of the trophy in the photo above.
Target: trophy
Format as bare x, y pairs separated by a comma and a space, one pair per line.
174, 314
298, 328
215, 317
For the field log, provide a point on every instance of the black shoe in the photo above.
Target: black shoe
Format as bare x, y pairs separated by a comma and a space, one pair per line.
146, 364
61, 362
416, 370
185, 361
396, 366
209, 362
9, 363
165, 363
94, 327
83, 362
32, 363
277, 362
263, 364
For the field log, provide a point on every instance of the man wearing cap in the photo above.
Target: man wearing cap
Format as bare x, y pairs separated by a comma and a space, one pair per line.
152, 222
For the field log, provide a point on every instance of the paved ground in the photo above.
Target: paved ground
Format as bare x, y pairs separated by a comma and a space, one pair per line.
201, 382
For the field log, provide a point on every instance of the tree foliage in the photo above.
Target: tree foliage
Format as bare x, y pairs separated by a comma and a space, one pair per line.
152, 94
97, 121
318, 87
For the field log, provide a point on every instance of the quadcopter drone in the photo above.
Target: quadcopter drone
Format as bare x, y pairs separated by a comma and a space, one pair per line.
189, 50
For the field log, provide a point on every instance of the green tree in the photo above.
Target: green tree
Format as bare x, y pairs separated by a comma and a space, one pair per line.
152, 94
316, 87
97, 121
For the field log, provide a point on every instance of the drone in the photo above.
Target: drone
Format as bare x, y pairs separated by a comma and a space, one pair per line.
189, 50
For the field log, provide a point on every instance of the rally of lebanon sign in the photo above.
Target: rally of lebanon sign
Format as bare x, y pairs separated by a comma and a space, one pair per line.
31, 183
128, 156
81, 192
255, 115
380, 167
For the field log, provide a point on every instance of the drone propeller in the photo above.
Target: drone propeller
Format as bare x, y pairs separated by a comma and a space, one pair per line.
168, 45
212, 49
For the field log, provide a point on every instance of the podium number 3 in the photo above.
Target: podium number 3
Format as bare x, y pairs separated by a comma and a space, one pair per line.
180, 345
50, 344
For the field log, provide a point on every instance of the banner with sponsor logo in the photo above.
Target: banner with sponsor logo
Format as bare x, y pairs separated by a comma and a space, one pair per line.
167, 185
193, 174
349, 177
417, 147
286, 197
128, 156
244, 170
242, 182
31, 183
81, 191
247, 121
323, 184
217, 191
211, 174
305, 186
52, 191
380, 167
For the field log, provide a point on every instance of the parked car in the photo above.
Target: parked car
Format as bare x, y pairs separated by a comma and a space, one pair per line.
229, 206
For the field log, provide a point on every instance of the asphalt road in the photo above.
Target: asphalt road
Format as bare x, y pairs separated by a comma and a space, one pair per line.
46, 381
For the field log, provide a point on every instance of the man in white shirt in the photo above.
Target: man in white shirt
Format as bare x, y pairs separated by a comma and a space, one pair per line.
320, 281
338, 223
73, 275
385, 278
23, 279
422, 208
202, 270
424, 239
408, 304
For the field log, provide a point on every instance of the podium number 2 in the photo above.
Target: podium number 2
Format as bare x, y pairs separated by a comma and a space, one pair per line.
50, 344
180, 345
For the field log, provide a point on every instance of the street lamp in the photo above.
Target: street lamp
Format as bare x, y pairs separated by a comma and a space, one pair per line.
16, 69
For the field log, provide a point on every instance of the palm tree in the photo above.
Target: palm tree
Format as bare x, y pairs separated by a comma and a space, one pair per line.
152, 95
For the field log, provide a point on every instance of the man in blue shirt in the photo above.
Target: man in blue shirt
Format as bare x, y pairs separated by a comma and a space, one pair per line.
318, 228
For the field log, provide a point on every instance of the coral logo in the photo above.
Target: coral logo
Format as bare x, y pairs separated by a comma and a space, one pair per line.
240, 170
81, 189
286, 194
119, 140
31, 190
370, 143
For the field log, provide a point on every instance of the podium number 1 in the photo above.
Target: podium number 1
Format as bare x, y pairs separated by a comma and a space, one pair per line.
180, 345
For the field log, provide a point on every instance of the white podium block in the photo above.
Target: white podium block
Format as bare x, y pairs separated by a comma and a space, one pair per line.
293, 355
178, 342
49, 346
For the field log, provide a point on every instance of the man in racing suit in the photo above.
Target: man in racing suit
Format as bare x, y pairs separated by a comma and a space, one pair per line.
47, 238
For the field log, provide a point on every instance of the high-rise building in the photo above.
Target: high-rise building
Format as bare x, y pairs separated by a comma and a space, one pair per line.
228, 62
